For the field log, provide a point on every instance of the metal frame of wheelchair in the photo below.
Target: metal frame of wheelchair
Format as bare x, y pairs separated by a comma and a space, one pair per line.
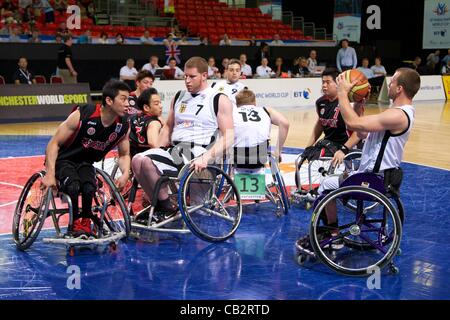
110, 228
372, 229
317, 171
280, 199
179, 190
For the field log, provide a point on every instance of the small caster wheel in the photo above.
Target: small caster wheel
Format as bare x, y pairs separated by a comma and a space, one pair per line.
399, 252
301, 259
394, 269
71, 251
113, 246
308, 205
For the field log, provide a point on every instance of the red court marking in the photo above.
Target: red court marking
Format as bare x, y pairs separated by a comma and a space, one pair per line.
15, 171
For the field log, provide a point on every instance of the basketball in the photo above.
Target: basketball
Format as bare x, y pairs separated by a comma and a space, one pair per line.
362, 88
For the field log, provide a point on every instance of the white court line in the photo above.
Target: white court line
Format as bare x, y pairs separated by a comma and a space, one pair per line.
12, 185
23, 157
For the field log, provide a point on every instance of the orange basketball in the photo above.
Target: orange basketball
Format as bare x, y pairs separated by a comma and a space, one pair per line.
362, 88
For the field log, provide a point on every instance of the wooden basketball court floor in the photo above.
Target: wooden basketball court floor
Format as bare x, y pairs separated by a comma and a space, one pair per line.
258, 263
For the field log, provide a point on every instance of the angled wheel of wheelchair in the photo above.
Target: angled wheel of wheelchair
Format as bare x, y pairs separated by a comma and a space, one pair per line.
116, 173
30, 213
363, 240
116, 218
206, 205
279, 184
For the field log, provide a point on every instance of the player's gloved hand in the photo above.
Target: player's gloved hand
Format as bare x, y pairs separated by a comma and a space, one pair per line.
200, 163
338, 158
121, 182
308, 152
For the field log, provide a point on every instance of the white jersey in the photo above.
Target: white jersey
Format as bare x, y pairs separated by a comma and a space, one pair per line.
383, 150
229, 89
252, 126
195, 117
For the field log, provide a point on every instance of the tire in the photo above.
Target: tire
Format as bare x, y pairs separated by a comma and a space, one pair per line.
204, 222
347, 260
279, 184
30, 192
117, 218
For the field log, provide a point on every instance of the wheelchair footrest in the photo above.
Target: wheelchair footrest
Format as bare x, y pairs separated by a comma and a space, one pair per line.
71, 241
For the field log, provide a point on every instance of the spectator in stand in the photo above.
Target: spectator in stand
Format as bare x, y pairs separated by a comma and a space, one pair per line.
245, 68
281, 71
168, 41
146, 39
152, 65
312, 61
103, 38
120, 40
346, 58
65, 68
45, 8
417, 65
301, 69
365, 69
446, 69
263, 52
179, 74
128, 74
213, 71
277, 41
433, 60
85, 38
23, 75
224, 66
446, 58
60, 6
204, 41
7, 9
264, 71
58, 38
15, 35
379, 74
252, 41
34, 37
225, 41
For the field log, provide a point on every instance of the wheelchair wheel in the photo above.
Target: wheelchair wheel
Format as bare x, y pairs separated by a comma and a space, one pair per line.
30, 213
116, 173
201, 201
374, 235
362, 245
116, 217
280, 185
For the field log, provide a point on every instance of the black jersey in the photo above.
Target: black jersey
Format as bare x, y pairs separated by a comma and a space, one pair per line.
331, 120
132, 101
92, 141
138, 135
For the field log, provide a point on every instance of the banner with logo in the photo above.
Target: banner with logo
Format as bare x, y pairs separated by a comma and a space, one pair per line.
269, 92
446, 81
431, 88
41, 101
436, 24
347, 20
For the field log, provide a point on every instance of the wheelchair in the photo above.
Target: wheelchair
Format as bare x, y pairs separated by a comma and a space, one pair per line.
111, 222
367, 233
311, 171
248, 170
204, 209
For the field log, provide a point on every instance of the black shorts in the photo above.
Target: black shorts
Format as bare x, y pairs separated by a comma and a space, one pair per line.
68, 172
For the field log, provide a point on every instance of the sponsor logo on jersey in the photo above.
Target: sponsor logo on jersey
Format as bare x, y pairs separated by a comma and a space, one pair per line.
221, 89
112, 137
91, 131
132, 102
92, 123
118, 127
322, 111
